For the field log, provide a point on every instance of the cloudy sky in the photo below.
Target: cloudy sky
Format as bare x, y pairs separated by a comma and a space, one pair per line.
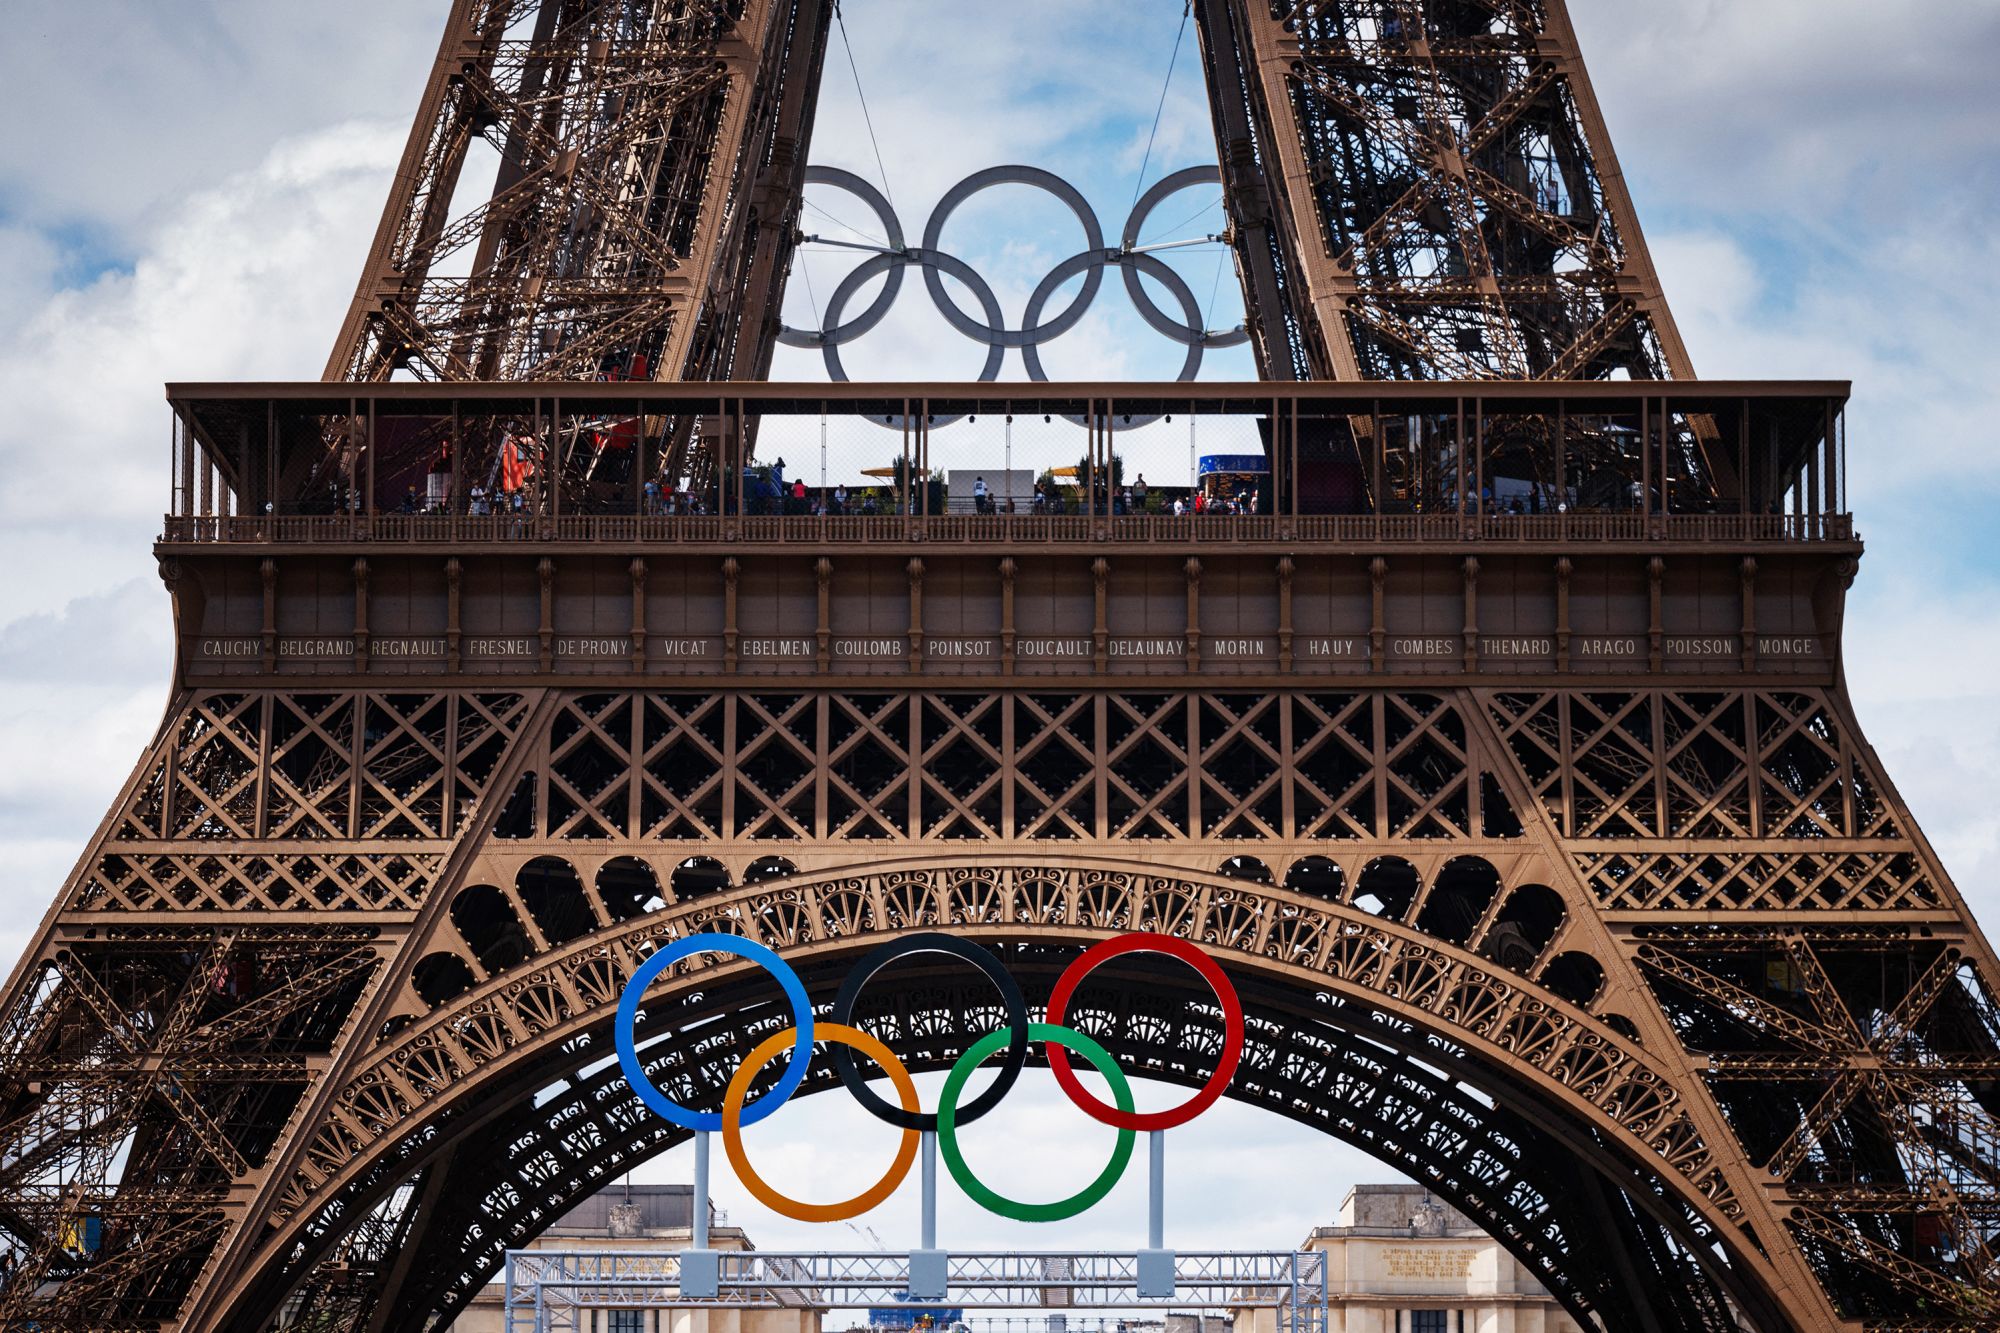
193, 192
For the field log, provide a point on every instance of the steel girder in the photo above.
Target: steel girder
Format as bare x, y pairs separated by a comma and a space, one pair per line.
649, 157
303, 977
1645, 924
1425, 189
1312, 1059
1417, 189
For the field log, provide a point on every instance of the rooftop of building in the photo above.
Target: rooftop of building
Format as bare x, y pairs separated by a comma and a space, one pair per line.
1399, 1210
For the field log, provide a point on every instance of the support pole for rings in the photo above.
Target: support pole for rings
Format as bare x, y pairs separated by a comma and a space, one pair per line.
1156, 1261
701, 1267
930, 1267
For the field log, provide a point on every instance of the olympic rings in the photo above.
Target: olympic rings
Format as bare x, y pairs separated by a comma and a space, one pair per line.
931, 941
841, 1036
992, 1200
1232, 1040
628, 1015
992, 332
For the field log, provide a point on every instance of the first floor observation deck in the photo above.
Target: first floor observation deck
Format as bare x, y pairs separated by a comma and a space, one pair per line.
649, 530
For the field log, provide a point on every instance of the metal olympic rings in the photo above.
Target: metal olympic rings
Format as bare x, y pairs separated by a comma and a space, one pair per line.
1017, 1034
992, 1200
931, 941
1232, 1033
801, 1030
991, 331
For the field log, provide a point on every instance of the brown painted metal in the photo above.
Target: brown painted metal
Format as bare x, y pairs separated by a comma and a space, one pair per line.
650, 161
1428, 191
1415, 192
1582, 801
1545, 847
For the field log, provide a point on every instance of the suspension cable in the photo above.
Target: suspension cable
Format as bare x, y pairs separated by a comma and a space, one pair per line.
840, 18
1173, 60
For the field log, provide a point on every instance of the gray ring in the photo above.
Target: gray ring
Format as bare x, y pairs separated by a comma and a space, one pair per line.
1163, 189
892, 228
994, 335
1031, 354
997, 333
932, 261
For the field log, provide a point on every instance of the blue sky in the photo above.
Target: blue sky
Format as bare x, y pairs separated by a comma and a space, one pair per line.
1819, 181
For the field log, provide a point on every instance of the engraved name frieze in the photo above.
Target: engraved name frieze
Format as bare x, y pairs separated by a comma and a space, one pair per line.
1165, 648
778, 648
519, 645
1336, 649
879, 648
1714, 645
1227, 648
1037, 647
403, 647
1513, 646
1608, 645
306, 647
951, 649
606, 645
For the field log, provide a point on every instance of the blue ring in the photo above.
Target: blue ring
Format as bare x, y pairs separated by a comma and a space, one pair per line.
628, 1016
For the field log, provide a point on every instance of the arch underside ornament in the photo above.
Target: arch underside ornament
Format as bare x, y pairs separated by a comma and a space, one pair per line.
1485, 934
1329, 1063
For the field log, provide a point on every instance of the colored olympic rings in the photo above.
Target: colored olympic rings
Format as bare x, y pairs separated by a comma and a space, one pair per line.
628, 1016
1232, 1036
931, 941
989, 329
992, 1200
842, 1039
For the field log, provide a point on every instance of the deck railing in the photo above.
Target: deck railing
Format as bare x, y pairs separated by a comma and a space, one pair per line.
1002, 530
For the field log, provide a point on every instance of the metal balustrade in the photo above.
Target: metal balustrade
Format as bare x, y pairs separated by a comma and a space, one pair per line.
1005, 530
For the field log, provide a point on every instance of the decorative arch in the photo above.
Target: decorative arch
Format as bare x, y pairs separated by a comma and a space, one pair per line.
1374, 1009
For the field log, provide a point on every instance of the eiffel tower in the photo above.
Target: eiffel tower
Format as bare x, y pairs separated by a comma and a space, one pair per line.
1539, 838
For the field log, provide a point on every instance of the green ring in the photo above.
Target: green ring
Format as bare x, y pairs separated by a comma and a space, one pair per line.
995, 1202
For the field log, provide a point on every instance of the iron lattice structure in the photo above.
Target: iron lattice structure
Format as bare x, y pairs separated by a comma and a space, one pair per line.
1545, 850
558, 1293
647, 157
1415, 190
1426, 190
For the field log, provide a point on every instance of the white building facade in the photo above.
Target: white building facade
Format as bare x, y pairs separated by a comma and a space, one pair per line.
1400, 1261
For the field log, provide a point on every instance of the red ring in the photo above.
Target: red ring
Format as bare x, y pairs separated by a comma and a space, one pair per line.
1232, 1037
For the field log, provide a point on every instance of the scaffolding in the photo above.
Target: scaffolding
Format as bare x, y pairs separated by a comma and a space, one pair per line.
552, 1291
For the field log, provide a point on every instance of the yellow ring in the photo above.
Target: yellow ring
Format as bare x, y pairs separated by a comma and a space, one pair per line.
732, 1125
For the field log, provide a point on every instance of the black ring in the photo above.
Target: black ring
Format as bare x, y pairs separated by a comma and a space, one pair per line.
930, 941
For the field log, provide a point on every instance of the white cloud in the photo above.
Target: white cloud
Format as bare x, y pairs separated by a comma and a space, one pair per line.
84, 694
1830, 114
142, 103
243, 280
29, 263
